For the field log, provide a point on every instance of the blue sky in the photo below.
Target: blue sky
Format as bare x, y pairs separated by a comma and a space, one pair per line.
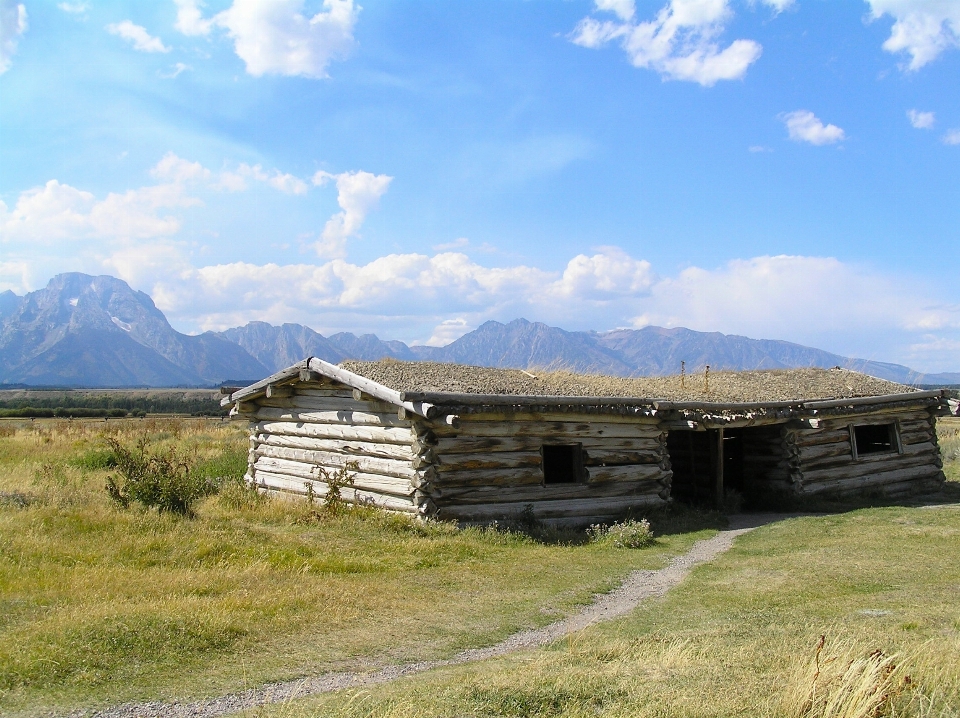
777, 169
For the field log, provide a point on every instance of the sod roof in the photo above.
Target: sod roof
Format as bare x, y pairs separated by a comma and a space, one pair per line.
723, 386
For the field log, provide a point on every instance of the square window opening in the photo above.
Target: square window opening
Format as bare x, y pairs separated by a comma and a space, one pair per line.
562, 463
875, 439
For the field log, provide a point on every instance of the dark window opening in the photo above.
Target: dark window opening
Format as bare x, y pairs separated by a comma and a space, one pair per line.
874, 439
562, 463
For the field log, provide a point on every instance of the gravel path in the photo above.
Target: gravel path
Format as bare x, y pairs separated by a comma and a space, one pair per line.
638, 586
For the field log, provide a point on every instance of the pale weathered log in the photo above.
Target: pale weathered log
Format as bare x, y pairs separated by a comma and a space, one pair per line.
366, 464
859, 468
839, 422
849, 483
817, 437
820, 451
638, 472
917, 437
909, 450
385, 434
403, 452
357, 418
499, 460
368, 482
333, 392
579, 429
295, 485
603, 457
336, 404
470, 444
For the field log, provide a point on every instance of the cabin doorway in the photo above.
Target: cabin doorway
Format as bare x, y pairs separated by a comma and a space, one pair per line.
693, 457
728, 468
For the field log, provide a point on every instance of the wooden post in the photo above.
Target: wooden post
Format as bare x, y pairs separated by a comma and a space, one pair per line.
718, 488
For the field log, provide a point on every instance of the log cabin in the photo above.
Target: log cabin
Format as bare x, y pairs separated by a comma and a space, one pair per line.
477, 444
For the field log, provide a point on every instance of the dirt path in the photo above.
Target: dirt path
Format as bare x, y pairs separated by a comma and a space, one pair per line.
638, 586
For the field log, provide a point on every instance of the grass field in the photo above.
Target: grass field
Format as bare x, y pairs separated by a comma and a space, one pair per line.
100, 605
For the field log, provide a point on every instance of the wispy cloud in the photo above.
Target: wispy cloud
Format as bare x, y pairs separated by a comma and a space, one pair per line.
952, 137
13, 24
175, 72
137, 36
74, 8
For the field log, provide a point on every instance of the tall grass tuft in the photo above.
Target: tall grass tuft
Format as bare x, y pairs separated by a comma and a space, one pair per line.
841, 681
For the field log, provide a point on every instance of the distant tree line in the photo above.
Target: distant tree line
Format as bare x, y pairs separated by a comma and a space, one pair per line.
80, 406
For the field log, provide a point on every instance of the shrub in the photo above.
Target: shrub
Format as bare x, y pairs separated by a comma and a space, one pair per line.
96, 460
628, 534
163, 480
333, 501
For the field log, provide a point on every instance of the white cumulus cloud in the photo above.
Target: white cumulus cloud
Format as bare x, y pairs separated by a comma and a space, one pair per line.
679, 44
921, 120
357, 194
13, 23
922, 28
804, 126
275, 37
190, 18
952, 137
137, 36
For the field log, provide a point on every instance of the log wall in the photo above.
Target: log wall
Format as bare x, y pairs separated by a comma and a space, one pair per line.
297, 441
489, 468
821, 460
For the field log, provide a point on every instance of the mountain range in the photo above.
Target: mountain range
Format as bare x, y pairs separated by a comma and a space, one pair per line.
82, 330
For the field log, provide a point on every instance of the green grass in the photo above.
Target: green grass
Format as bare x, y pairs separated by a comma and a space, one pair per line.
100, 605
734, 637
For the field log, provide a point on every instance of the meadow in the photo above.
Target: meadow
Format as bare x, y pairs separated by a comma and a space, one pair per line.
100, 604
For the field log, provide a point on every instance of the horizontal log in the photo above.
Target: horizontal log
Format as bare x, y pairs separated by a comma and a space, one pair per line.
917, 437
384, 434
365, 464
607, 506
861, 468
534, 427
333, 392
896, 489
639, 472
839, 422
403, 452
447, 398
867, 400
294, 485
871, 480
304, 403
349, 418
867, 459
820, 451
553, 492
815, 437
603, 457
470, 445
368, 482
500, 460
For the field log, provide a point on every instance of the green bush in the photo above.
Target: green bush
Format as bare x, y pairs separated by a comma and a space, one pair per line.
164, 480
628, 534
96, 460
